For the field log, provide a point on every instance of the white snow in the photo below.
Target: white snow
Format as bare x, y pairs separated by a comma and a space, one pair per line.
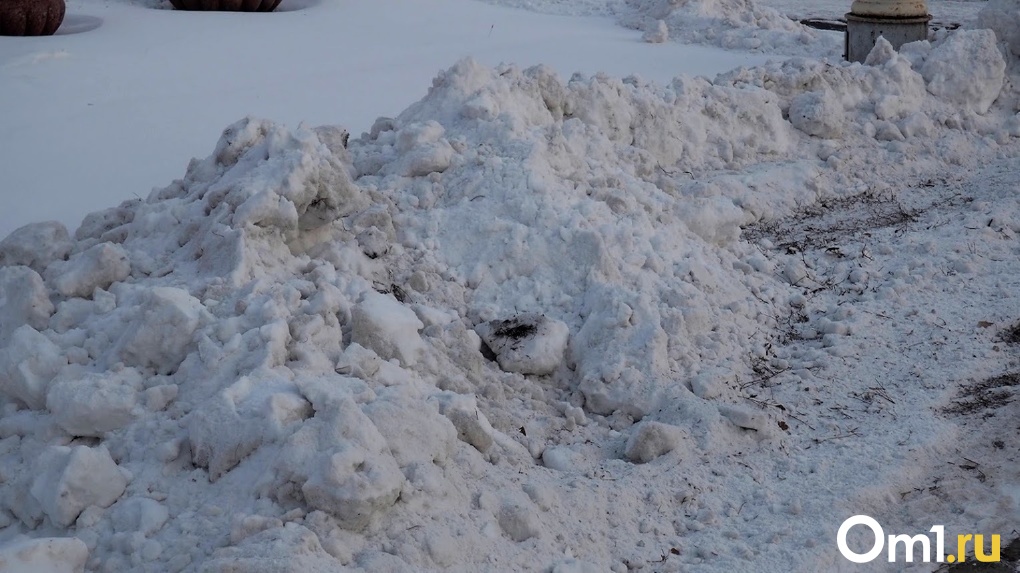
537, 320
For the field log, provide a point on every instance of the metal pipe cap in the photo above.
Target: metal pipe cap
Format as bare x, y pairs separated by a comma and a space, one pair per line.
889, 8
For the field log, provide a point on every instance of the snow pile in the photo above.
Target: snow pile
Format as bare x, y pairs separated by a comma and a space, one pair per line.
731, 24
458, 330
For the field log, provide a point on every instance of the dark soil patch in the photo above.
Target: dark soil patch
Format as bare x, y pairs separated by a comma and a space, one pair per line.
1011, 335
987, 394
833, 222
515, 329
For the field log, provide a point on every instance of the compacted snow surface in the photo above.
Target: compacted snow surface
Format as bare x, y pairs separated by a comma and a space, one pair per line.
542, 322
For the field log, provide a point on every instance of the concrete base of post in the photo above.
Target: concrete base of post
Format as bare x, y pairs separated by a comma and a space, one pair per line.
863, 31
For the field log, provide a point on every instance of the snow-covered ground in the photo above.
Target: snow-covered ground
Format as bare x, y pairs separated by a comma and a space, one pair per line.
534, 321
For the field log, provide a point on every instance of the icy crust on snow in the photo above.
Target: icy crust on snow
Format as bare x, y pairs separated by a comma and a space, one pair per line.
276, 363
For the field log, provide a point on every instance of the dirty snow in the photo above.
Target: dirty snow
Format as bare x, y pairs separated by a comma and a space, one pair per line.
538, 321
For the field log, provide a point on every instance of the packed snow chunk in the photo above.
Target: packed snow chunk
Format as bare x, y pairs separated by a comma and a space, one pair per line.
384, 325
423, 150
527, 343
69, 479
561, 458
107, 222
649, 440
94, 403
966, 69
36, 245
44, 555
23, 300
220, 436
747, 418
293, 181
28, 364
341, 465
416, 433
519, 521
139, 514
98, 267
472, 425
161, 335
818, 113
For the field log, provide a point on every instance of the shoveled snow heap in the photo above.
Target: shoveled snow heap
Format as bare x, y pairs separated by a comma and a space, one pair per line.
732, 24
277, 362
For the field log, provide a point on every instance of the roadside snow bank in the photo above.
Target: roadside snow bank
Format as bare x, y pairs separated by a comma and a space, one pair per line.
731, 24
278, 360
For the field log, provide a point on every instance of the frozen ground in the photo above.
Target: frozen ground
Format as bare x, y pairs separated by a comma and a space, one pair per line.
532, 321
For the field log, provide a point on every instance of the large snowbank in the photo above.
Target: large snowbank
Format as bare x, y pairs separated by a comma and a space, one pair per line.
277, 362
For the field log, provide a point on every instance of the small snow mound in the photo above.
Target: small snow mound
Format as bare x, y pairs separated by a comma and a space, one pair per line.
526, 343
649, 440
731, 24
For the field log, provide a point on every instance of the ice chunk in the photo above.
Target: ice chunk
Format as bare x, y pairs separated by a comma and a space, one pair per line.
27, 366
95, 403
23, 300
649, 440
98, 267
69, 479
44, 555
387, 327
36, 245
526, 343
161, 336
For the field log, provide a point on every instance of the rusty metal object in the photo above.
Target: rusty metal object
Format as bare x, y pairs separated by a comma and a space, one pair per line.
30, 17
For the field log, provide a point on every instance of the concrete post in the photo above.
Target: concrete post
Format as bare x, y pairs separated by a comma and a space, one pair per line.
899, 21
